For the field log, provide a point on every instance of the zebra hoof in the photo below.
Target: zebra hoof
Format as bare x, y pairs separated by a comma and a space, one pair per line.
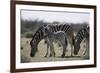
62, 55
52, 56
45, 56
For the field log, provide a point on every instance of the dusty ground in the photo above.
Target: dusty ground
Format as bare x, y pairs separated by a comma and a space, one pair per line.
39, 57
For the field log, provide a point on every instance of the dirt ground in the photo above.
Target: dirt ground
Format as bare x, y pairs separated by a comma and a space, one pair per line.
42, 49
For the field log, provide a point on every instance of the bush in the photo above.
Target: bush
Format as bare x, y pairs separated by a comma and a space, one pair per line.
29, 35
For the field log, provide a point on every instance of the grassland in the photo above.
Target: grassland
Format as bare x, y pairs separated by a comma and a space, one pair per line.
42, 49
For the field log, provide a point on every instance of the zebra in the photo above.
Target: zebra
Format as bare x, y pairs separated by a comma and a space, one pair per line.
82, 33
67, 28
39, 35
52, 36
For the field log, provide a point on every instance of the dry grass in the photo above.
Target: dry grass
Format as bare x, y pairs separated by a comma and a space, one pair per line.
42, 48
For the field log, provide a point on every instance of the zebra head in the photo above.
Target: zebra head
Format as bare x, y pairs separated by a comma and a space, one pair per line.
33, 48
46, 29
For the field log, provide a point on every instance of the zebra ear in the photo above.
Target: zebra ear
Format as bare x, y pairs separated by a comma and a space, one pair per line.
45, 25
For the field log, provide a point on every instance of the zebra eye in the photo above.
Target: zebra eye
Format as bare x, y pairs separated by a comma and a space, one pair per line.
45, 29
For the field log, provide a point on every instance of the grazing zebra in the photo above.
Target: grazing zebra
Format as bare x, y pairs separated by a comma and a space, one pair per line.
52, 36
39, 35
82, 33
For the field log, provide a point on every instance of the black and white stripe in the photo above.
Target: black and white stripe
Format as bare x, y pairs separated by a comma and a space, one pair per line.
82, 33
39, 35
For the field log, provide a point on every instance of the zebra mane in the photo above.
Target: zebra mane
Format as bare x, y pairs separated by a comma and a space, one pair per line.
38, 35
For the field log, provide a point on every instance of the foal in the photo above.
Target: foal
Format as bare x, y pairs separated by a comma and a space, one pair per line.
50, 36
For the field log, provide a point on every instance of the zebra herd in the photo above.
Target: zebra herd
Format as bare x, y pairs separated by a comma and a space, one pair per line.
63, 33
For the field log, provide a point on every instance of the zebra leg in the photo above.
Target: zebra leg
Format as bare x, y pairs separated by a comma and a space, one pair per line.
71, 42
52, 52
64, 50
47, 50
72, 50
64, 44
63, 54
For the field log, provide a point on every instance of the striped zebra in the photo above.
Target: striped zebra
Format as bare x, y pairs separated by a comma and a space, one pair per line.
67, 28
52, 36
82, 33
39, 35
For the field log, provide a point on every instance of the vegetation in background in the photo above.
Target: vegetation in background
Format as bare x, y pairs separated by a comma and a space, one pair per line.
29, 27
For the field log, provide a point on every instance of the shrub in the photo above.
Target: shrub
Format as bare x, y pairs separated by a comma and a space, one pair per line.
29, 35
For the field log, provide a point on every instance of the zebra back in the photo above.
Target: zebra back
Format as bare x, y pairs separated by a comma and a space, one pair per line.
63, 27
